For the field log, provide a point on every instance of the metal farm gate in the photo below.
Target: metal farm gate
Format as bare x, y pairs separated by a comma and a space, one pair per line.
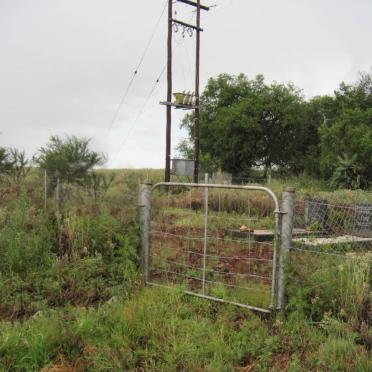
219, 242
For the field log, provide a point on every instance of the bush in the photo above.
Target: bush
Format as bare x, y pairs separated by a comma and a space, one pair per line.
336, 285
26, 240
49, 260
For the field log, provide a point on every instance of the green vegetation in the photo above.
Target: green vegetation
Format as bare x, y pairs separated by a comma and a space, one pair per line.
72, 294
165, 330
71, 288
52, 259
68, 159
248, 125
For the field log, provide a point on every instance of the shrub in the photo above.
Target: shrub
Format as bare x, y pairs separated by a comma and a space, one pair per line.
26, 240
320, 284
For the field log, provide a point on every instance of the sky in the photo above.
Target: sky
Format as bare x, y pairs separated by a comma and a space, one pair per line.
66, 65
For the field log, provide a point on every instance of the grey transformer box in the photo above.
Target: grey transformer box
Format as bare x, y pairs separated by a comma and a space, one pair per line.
183, 167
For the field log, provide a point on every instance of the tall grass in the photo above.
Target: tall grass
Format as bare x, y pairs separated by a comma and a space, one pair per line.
51, 259
162, 330
71, 296
26, 239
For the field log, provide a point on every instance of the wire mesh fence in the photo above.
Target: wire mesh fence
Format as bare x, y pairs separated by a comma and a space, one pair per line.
331, 256
102, 191
231, 245
320, 225
213, 242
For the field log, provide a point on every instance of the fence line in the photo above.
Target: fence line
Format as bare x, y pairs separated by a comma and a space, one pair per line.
309, 229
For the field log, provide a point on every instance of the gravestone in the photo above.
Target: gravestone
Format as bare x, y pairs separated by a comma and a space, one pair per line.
363, 221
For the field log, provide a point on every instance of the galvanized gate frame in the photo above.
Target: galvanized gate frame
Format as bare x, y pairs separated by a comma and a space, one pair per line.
281, 245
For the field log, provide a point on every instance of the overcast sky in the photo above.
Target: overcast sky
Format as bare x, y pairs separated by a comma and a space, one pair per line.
65, 64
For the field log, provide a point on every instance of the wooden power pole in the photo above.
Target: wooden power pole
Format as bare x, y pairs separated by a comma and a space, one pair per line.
168, 103
169, 94
197, 97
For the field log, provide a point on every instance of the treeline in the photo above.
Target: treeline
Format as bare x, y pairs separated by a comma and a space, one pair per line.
248, 125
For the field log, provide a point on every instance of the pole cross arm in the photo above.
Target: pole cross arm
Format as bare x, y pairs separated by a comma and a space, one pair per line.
186, 25
188, 2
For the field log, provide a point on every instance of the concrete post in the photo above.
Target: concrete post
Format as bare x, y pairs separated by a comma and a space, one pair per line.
144, 204
286, 241
206, 196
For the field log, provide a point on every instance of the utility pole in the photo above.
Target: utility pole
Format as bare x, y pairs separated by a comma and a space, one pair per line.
169, 94
168, 103
197, 97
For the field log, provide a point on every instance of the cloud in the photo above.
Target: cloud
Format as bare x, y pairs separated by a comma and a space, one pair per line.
65, 65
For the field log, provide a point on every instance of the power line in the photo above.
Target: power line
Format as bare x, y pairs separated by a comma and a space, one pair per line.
146, 100
125, 95
140, 113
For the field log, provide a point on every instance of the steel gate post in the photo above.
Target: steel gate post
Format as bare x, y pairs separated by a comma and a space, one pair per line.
286, 241
144, 204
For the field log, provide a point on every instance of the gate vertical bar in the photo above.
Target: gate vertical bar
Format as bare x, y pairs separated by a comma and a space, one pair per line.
206, 197
286, 241
144, 204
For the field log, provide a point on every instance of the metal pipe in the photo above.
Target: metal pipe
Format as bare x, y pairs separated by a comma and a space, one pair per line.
218, 186
254, 308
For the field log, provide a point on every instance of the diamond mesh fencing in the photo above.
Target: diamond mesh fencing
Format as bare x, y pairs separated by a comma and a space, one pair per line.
331, 257
332, 228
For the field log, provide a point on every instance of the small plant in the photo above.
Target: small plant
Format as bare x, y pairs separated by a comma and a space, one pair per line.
347, 173
21, 167
98, 184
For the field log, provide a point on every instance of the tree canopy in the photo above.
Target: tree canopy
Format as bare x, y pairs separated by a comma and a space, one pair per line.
68, 159
248, 124
14, 164
346, 132
6, 163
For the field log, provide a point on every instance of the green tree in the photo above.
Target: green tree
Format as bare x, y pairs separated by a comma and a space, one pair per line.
248, 123
68, 160
347, 130
6, 164
20, 166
